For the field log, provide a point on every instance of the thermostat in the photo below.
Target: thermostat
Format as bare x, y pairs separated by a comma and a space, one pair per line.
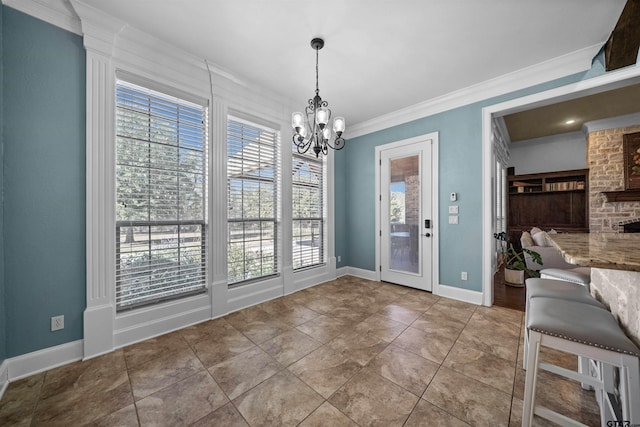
453, 197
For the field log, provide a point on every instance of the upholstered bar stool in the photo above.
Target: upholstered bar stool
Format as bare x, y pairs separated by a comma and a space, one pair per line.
588, 331
579, 275
558, 289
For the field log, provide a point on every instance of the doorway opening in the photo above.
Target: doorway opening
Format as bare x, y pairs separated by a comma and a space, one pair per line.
607, 82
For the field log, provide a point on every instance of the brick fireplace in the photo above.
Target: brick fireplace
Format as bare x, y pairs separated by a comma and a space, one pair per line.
606, 173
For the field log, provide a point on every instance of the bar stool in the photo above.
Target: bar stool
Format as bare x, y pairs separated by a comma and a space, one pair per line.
579, 275
588, 331
559, 289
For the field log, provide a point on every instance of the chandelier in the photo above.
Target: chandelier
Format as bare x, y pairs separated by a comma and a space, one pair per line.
311, 128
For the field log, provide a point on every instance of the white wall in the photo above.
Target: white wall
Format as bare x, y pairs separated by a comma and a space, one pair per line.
549, 154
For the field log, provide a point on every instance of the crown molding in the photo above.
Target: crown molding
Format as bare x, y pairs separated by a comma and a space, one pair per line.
552, 69
55, 12
611, 123
62, 13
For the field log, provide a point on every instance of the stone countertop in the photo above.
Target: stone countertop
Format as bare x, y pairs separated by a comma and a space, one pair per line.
614, 251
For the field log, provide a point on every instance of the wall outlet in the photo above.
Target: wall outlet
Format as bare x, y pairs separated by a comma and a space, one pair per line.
57, 322
463, 275
339, 258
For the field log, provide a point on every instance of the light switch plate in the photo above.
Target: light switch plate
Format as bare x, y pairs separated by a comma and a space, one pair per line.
453, 209
453, 219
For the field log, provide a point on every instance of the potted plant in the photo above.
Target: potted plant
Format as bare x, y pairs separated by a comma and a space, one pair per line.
515, 263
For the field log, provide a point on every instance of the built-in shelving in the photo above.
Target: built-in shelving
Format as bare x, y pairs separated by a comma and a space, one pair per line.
552, 200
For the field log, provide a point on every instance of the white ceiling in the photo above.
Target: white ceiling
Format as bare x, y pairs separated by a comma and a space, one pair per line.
379, 56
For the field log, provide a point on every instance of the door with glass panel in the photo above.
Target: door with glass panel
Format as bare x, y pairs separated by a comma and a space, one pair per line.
405, 215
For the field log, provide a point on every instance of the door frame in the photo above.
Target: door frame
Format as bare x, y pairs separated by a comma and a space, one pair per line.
608, 81
435, 239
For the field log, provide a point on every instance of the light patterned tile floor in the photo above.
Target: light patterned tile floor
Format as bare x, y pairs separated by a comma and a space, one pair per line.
345, 353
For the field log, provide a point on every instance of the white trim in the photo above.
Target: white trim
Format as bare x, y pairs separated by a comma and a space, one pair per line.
307, 277
611, 80
342, 271
466, 295
146, 322
565, 65
247, 295
550, 139
611, 123
433, 137
42, 360
4, 377
54, 12
361, 273
59, 13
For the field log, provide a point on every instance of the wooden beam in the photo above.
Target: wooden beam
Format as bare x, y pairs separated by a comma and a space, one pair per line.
621, 50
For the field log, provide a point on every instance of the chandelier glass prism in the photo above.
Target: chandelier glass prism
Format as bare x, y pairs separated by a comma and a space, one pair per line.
311, 128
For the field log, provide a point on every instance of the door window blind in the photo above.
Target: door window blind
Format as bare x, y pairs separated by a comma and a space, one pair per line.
308, 210
161, 197
252, 184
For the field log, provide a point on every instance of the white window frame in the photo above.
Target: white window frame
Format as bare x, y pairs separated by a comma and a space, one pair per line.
176, 242
322, 187
117, 50
276, 180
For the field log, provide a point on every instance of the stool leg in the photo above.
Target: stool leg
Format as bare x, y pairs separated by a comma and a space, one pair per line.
630, 388
526, 334
525, 354
531, 378
583, 368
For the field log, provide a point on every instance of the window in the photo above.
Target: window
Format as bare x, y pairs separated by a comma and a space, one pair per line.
161, 197
252, 173
308, 210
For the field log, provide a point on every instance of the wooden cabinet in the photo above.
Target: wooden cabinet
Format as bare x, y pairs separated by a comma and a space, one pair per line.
558, 200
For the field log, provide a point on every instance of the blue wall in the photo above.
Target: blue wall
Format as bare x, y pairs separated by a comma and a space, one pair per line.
3, 309
460, 162
44, 182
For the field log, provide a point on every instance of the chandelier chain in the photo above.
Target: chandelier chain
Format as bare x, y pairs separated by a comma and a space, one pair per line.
317, 86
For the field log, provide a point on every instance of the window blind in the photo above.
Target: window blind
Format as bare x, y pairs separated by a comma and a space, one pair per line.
252, 184
307, 210
161, 197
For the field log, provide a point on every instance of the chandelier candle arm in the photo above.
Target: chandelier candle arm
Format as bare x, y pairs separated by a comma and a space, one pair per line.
310, 128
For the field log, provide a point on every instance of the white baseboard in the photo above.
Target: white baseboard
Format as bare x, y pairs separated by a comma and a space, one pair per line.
251, 294
360, 272
342, 271
4, 377
144, 331
42, 360
460, 294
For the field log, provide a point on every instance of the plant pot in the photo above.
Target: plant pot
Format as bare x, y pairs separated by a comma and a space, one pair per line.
514, 278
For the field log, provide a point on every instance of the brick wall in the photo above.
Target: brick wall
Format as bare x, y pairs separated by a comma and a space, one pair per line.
606, 173
412, 199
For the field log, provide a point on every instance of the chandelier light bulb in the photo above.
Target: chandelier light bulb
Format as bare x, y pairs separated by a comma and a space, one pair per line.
322, 116
338, 125
297, 121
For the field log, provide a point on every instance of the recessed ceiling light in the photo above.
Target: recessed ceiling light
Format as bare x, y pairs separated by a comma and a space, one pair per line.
569, 122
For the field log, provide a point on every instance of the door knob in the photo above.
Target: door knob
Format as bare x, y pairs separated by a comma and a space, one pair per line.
427, 234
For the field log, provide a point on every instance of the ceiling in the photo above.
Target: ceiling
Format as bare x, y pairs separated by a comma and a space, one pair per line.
379, 56
552, 119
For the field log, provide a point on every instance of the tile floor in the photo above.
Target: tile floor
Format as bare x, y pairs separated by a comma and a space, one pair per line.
345, 353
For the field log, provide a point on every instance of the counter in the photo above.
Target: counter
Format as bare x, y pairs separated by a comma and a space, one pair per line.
614, 259
614, 251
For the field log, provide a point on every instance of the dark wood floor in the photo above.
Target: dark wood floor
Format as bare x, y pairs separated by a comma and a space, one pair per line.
507, 296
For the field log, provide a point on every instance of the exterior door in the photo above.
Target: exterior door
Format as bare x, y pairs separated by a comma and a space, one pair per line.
406, 223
